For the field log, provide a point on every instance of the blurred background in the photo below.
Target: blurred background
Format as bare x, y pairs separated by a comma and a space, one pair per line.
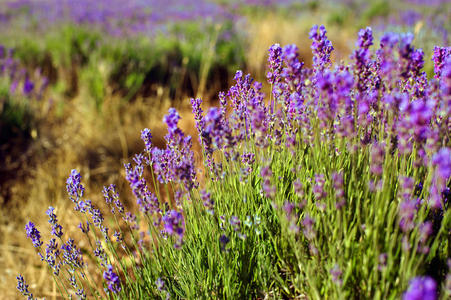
80, 79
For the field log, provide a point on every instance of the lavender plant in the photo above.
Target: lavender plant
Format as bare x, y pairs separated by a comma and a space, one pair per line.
336, 185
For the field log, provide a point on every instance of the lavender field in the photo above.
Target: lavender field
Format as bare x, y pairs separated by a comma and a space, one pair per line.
214, 149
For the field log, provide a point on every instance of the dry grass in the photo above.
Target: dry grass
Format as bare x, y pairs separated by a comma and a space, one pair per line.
97, 144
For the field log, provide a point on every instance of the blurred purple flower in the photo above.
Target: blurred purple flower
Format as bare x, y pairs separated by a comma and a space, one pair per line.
112, 280
223, 240
336, 275
28, 86
421, 288
174, 224
442, 161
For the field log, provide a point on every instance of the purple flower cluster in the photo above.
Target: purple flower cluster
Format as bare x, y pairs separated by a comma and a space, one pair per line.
21, 81
268, 188
336, 275
421, 288
57, 229
338, 182
72, 255
76, 191
52, 256
74, 188
22, 286
174, 224
175, 163
208, 202
442, 162
113, 17
321, 46
111, 195
147, 201
112, 279
33, 234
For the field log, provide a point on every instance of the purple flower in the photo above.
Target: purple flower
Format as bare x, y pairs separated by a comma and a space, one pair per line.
382, 261
160, 284
174, 224
275, 64
208, 202
147, 201
52, 254
72, 255
298, 188
425, 231
216, 134
439, 58
101, 254
171, 119
112, 280
78, 291
362, 60
308, 230
197, 112
33, 234
377, 158
235, 222
292, 73
110, 195
176, 162
292, 216
318, 188
57, 229
28, 86
146, 136
321, 46
13, 87
74, 187
365, 38
407, 213
442, 161
337, 178
22, 286
268, 188
421, 288
336, 275
83, 228
223, 240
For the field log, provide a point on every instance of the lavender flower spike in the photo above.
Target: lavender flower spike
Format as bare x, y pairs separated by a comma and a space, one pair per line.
22, 286
33, 234
74, 187
112, 280
57, 229
146, 136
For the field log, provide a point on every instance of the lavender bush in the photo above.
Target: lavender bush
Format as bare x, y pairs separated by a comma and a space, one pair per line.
334, 185
22, 93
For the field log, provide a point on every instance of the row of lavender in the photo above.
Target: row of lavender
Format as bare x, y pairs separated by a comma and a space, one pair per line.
336, 184
142, 17
21, 97
65, 48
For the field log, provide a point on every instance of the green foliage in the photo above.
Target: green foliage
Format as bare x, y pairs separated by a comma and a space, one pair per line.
376, 9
